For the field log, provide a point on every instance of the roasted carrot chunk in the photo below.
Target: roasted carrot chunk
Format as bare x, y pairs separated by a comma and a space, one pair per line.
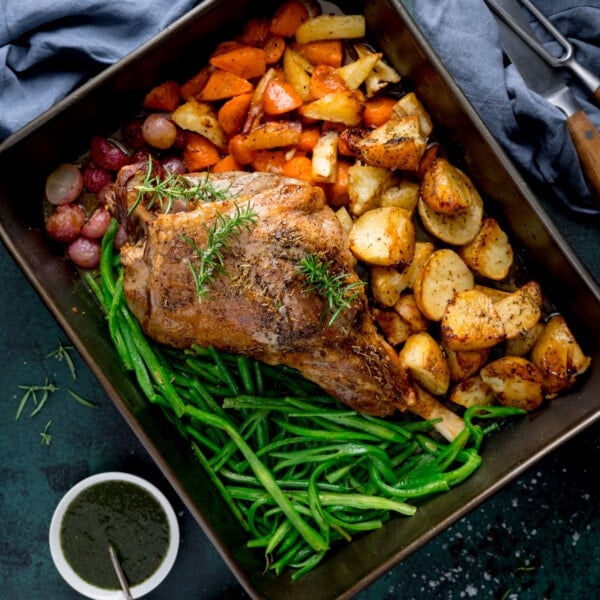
246, 62
199, 153
322, 52
165, 96
274, 48
288, 17
255, 32
232, 114
337, 192
299, 167
308, 138
280, 98
325, 80
269, 161
378, 111
227, 163
193, 86
240, 151
223, 84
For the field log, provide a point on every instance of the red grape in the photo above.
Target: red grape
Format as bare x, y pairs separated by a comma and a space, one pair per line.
107, 155
65, 223
97, 224
84, 252
173, 164
95, 178
159, 131
64, 184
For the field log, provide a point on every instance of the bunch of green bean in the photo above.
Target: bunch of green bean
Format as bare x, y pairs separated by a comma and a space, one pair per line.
298, 470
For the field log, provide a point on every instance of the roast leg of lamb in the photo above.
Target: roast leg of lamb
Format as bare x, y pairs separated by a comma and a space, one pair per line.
259, 304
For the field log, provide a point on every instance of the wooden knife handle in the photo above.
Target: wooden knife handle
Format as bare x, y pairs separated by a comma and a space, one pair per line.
586, 139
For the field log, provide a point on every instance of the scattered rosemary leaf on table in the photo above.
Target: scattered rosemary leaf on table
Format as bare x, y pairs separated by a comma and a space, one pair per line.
46, 437
82, 400
63, 353
31, 393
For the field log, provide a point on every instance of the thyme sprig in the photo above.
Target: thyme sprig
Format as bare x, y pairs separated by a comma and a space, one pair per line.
165, 191
210, 260
333, 288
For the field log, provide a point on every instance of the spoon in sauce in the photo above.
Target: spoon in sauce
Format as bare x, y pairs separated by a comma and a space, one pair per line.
119, 571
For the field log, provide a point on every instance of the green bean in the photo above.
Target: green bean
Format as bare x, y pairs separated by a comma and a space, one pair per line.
219, 485
320, 435
263, 475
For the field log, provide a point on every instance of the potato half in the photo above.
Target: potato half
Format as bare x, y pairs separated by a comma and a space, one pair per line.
383, 236
442, 275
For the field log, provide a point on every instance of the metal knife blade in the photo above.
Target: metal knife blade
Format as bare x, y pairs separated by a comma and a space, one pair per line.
542, 79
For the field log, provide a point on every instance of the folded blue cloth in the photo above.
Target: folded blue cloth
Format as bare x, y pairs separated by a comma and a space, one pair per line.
532, 131
47, 47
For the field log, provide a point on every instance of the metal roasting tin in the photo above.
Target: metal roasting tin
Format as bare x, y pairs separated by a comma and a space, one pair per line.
106, 101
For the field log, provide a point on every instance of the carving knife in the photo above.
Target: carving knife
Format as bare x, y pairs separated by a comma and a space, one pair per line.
542, 79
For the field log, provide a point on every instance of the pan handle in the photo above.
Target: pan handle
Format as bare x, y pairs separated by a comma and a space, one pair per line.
586, 139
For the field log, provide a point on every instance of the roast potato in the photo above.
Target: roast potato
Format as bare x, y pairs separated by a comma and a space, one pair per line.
457, 228
442, 275
383, 236
521, 310
489, 253
365, 186
472, 392
200, 117
331, 27
558, 356
397, 144
515, 381
425, 361
471, 322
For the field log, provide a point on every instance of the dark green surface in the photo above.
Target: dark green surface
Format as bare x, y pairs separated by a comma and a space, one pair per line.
538, 538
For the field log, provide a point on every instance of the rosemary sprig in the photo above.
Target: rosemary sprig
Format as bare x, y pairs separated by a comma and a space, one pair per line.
334, 289
62, 353
175, 187
210, 261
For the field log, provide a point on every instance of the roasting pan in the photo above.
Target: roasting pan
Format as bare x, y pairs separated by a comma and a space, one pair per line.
102, 104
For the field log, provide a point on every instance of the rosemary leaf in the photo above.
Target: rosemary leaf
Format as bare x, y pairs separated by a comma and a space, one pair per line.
164, 192
332, 287
46, 437
210, 261
82, 400
62, 353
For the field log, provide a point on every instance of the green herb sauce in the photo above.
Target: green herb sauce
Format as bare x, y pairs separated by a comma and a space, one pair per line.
122, 514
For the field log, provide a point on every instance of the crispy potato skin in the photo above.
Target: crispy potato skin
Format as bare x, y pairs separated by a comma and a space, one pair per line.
440, 278
515, 381
472, 392
489, 254
558, 356
383, 236
471, 322
425, 361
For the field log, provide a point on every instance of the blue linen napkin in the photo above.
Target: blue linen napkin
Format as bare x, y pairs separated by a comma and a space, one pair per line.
532, 131
47, 47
